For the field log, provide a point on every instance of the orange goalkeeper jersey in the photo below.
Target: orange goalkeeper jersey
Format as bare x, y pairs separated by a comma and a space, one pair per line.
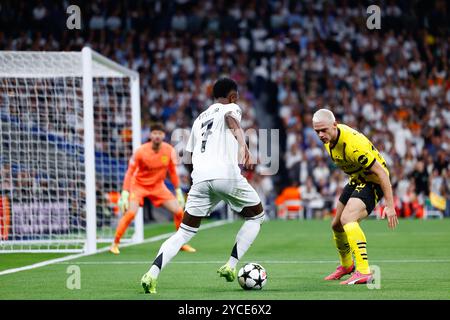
148, 168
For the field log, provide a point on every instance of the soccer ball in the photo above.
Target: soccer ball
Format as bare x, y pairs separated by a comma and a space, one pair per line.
252, 276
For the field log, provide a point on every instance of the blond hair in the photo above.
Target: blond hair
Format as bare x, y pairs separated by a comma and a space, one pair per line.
324, 115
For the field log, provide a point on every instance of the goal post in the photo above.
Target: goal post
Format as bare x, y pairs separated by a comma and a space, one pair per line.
70, 121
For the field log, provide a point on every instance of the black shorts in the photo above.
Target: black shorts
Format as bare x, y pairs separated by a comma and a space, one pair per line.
370, 193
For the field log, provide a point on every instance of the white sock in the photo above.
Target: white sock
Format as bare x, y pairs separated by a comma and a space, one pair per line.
245, 237
170, 248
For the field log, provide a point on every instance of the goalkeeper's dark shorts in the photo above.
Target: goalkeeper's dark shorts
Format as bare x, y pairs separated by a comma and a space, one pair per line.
370, 193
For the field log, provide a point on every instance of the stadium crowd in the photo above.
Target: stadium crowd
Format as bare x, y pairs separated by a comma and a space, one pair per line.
289, 58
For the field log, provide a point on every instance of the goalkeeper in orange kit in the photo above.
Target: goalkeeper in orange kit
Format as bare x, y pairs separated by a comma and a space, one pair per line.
145, 177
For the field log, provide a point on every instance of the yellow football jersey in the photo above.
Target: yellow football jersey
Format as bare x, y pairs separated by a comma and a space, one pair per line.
355, 155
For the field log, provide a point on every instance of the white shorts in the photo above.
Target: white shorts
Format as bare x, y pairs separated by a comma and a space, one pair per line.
205, 195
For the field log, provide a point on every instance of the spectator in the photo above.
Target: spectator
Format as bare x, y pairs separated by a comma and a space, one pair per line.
321, 172
293, 158
290, 57
313, 201
420, 176
289, 203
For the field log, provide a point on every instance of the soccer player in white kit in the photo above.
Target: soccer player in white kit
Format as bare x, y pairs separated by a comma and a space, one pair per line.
215, 144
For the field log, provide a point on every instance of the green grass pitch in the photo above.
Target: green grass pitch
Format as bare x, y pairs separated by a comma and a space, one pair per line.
414, 261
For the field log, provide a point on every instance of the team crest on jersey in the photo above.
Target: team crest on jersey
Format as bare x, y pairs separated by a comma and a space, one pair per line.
164, 159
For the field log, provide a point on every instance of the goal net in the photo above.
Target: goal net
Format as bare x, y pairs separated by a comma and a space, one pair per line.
69, 123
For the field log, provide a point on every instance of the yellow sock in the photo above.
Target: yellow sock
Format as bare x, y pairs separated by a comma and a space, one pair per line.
357, 241
345, 255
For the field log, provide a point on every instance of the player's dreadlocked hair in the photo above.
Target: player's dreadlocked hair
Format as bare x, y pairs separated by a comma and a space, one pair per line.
223, 87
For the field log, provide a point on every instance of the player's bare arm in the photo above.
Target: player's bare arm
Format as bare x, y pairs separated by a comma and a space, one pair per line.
238, 133
385, 184
189, 166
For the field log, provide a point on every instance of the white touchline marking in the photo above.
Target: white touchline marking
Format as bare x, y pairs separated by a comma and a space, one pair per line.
259, 261
80, 255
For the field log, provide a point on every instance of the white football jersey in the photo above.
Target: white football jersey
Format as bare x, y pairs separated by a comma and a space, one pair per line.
214, 148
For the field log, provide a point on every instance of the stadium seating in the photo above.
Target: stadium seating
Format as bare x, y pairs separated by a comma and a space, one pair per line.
288, 58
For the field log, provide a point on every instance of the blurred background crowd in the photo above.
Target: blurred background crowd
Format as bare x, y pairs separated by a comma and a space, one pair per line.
289, 58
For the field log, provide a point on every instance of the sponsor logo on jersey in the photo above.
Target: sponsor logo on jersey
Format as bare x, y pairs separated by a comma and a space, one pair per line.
363, 160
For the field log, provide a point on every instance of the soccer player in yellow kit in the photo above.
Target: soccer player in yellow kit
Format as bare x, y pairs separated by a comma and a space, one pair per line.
369, 181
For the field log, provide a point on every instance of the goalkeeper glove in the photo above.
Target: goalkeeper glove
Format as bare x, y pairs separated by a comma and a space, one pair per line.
123, 201
180, 197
